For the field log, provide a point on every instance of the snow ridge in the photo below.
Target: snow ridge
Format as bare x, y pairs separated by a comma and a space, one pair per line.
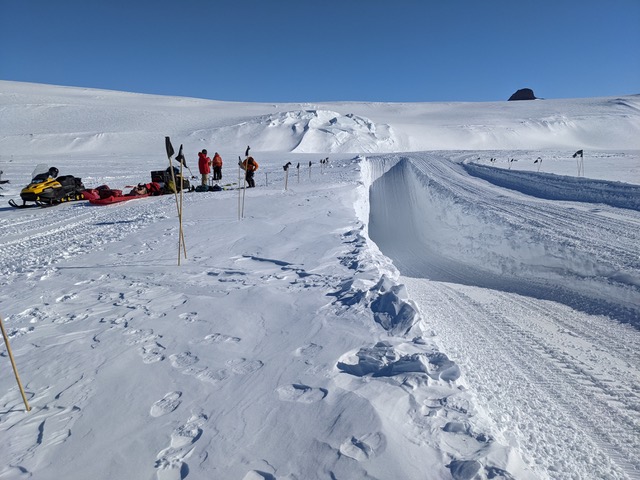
306, 131
560, 187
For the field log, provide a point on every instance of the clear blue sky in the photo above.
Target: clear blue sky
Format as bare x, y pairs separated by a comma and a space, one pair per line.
326, 50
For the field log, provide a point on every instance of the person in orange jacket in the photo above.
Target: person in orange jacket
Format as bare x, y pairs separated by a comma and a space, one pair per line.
216, 163
249, 166
204, 163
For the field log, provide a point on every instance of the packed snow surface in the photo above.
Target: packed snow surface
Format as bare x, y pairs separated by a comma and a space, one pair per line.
446, 298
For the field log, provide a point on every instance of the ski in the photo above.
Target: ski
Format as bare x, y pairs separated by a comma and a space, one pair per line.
15, 205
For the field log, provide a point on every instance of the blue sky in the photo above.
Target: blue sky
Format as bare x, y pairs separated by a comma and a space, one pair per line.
326, 50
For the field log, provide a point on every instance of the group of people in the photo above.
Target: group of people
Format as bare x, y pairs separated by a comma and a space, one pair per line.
206, 165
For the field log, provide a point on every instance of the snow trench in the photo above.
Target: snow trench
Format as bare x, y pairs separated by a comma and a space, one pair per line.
435, 221
559, 187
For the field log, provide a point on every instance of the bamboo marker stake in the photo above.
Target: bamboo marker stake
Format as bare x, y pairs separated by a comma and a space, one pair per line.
181, 235
170, 152
13, 364
239, 189
184, 247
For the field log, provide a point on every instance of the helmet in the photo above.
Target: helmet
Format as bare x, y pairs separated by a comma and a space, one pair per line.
53, 172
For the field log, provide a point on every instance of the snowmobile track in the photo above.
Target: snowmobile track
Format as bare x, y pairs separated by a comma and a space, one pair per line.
576, 409
40, 236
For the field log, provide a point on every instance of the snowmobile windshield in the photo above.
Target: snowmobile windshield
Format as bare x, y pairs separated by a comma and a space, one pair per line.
40, 173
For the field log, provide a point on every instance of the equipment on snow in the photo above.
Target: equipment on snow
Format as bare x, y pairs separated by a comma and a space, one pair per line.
165, 179
103, 195
47, 189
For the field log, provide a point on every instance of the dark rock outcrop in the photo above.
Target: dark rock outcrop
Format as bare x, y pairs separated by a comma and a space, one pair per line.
523, 94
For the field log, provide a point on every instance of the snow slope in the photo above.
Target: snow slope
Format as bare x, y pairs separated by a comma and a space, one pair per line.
408, 314
97, 121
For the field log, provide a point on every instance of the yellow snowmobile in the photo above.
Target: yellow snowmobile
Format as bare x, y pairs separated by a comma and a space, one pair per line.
47, 189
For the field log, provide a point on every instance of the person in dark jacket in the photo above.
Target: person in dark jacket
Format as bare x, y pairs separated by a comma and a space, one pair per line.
204, 164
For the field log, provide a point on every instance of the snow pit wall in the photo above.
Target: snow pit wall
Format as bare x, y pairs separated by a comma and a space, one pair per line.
429, 227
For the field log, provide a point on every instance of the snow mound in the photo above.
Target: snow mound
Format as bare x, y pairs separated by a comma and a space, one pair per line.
307, 131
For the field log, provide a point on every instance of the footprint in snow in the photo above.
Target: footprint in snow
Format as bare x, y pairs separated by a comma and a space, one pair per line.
171, 464
116, 323
237, 366
220, 338
189, 317
166, 405
152, 353
464, 469
242, 366
136, 337
460, 438
362, 448
301, 393
205, 374
309, 350
183, 360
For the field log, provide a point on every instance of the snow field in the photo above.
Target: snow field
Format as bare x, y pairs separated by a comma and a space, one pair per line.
400, 315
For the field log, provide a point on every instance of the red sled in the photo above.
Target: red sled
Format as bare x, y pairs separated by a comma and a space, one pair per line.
115, 199
103, 195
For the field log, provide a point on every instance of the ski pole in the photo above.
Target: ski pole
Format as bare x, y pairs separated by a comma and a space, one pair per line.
13, 364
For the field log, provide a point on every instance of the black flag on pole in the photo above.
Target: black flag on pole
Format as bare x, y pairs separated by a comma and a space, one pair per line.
579, 152
167, 143
180, 157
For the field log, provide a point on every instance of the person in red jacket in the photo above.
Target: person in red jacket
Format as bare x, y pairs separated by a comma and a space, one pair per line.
204, 163
216, 163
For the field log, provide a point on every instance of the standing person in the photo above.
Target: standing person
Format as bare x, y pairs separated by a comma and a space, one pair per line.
204, 164
217, 167
249, 166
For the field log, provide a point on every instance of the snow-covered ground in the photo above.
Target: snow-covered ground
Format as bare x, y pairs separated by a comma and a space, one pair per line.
431, 304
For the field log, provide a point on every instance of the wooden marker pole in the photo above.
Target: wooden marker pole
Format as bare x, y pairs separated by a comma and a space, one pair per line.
239, 188
13, 364
170, 152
